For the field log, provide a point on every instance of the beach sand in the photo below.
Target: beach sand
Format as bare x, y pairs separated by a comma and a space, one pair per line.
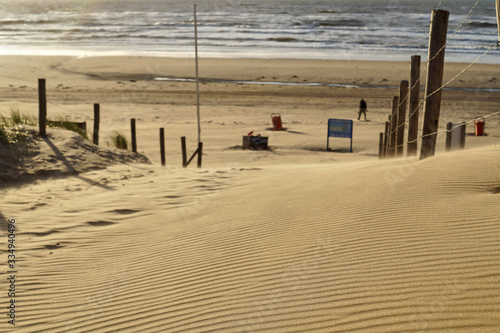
289, 239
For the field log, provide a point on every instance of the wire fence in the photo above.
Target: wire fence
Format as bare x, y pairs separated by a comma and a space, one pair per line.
417, 86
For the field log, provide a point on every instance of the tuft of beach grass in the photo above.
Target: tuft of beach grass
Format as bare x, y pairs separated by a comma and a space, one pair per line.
118, 140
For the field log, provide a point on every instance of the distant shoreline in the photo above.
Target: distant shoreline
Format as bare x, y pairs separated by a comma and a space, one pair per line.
284, 53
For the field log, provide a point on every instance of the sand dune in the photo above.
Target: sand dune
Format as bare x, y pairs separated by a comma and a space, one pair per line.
391, 246
292, 239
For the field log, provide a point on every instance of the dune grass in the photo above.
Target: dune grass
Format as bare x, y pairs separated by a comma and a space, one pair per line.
118, 140
20, 118
64, 122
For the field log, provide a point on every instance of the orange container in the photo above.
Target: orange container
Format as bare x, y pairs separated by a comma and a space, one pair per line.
276, 117
479, 127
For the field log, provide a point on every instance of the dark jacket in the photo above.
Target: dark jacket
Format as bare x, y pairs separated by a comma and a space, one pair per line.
362, 104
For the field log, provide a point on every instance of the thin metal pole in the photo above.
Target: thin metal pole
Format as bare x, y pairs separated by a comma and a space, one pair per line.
197, 78
497, 6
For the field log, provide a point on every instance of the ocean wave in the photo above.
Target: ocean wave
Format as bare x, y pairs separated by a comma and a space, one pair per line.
334, 23
283, 39
480, 24
23, 22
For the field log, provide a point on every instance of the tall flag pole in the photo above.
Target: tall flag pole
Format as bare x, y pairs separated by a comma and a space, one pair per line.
498, 17
197, 79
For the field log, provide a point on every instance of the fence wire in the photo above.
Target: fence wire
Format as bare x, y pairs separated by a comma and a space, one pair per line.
412, 112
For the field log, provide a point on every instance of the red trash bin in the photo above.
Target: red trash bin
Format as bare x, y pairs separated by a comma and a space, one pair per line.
479, 127
276, 117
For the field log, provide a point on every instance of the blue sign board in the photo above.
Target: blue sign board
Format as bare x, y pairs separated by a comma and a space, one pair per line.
340, 128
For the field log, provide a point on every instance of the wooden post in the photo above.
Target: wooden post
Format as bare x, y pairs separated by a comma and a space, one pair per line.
162, 146
184, 154
449, 126
414, 106
394, 125
386, 137
403, 97
42, 108
435, 69
462, 139
381, 146
200, 153
134, 139
97, 119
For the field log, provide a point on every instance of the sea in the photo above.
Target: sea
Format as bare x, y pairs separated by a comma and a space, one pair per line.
300, 29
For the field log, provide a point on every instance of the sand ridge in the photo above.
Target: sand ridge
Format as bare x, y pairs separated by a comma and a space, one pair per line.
392, 256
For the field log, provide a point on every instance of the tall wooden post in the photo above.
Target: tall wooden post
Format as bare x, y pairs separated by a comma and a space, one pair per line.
435, 69
200, 153
403, 98
162, 146
381, 146
97, 119
42, 108
394, 125
462, 138
134, 138
449, 126
384, 144
184, 153
388, 137
414, 106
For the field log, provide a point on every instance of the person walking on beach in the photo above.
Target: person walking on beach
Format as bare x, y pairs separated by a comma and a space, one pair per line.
362, 108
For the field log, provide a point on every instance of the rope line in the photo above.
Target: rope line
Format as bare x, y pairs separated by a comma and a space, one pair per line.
460, 26
442, 48
448, 82
459, 125
437, 90
429, 23
466, 68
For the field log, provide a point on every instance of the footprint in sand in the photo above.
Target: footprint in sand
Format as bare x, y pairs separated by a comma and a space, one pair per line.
53, 247
100, 223
124, 211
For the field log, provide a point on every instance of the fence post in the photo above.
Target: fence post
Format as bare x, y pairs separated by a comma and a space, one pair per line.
162, 146
200, 153
449, 126
384, 144
403, 97
184, 154
414, 106
435, 69
394, 122
97, 119
134, 139
381, 146
42, 108
388, 137
462, 128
